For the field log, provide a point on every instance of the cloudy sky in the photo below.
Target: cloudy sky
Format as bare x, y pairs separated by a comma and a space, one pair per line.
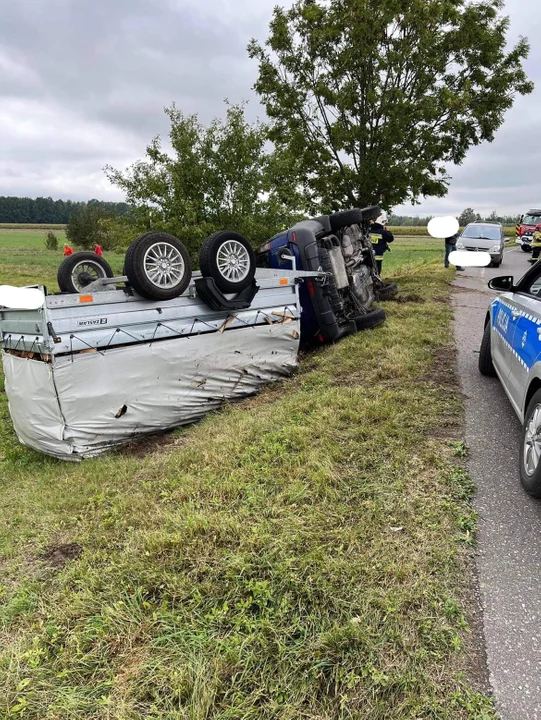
83, 84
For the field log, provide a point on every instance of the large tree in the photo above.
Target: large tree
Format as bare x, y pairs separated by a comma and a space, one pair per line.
468, 216
374, 97
212, 178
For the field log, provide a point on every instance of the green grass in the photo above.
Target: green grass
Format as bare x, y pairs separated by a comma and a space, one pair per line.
303, 554
410, 252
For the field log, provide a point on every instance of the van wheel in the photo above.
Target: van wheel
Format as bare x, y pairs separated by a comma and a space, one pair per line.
371, 320
229, 259
387, 292
530, 451
80, 269
346, 218
158, 266
486, 366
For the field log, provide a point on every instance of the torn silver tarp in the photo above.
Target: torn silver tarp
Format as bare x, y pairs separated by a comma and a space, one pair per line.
80, 405
77, 403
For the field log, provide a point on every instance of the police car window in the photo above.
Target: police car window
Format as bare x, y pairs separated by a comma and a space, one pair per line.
533, 287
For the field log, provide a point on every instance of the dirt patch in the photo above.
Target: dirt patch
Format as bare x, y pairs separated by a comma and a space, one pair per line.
148, 444
474, 643
443, 369
57, 556
411, 298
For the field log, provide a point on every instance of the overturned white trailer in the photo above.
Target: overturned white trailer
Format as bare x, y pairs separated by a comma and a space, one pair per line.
88, 371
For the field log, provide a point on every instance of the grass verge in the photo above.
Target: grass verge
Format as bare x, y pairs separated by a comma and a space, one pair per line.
300, 555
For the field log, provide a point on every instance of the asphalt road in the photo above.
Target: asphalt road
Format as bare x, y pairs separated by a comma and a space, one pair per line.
509, 549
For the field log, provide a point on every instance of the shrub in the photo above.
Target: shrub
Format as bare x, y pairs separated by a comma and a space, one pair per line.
85, 228
51, 241
118, 232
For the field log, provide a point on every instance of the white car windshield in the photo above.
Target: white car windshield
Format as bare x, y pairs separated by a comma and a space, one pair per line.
482, 232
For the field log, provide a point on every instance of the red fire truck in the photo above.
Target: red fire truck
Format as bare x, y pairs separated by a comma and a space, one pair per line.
527, 225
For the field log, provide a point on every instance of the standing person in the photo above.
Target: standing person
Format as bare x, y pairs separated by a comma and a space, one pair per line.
98, 250
380, 238
67, 250
450, 246
536, 246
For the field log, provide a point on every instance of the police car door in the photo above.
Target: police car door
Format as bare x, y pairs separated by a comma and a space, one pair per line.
505, 315
526, 343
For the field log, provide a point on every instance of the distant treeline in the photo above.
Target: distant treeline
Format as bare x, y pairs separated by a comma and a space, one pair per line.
48, 211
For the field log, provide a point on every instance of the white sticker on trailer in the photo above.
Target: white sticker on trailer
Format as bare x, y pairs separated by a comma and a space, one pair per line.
91, 323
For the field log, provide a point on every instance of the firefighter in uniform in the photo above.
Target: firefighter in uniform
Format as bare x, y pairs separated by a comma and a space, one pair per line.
536, 246
380, 238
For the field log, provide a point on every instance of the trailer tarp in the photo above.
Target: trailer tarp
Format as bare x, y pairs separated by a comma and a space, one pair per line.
84, 403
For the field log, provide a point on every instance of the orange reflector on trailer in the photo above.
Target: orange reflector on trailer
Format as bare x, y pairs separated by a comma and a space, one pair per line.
284, 281
86, 298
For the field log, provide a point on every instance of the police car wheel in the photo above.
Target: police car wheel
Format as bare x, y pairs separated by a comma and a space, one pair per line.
526, 248
530, 451
486, 366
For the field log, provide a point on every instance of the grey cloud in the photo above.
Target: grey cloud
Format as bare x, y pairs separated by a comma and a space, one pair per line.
86, 83
83, 84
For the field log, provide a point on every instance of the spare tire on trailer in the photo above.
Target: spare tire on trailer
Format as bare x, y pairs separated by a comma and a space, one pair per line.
229, 259
158, 266
370, 320
346, 218
80, 269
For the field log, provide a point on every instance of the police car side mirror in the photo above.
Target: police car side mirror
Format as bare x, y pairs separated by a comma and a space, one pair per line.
503, 284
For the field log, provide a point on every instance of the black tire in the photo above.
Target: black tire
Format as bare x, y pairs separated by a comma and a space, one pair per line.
486, 366
80, 269
330, 286
526, 248
229, 259
370, 320
387, 292
143, 273
531, 481
345, 218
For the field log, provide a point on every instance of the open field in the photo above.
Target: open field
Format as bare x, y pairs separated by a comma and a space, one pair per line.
421, 231
410, 252
303, 554
30, 226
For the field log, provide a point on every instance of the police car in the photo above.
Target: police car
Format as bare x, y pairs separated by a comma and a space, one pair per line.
511, 350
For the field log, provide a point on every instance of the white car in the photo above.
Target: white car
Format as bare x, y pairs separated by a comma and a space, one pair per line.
511, 349
486, 237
